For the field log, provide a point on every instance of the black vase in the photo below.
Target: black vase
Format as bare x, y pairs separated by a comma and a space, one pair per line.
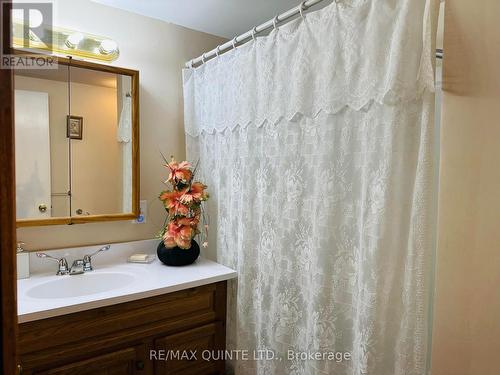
177, 256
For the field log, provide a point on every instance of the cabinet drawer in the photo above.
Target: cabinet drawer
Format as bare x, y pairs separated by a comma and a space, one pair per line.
121, 362
187, 352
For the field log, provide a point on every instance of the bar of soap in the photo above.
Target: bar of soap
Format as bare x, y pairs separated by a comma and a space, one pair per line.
141, 258
138, 257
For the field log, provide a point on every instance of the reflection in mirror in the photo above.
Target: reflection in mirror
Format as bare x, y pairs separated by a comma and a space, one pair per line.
42, 180
76, 144
100, 131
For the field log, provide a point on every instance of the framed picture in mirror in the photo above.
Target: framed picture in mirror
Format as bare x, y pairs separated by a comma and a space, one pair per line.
74, 127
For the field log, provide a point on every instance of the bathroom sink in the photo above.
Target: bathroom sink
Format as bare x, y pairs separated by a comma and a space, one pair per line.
81, 285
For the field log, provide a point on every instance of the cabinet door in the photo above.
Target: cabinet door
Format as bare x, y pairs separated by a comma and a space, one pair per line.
121, 362
191, 352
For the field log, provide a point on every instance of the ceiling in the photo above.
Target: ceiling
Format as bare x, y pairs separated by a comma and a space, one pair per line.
225, 18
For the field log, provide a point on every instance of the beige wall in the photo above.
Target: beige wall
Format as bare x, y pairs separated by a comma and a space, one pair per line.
158, 50
466, 336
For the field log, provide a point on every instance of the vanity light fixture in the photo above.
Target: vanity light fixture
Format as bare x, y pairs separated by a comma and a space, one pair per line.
66, 42
74, 40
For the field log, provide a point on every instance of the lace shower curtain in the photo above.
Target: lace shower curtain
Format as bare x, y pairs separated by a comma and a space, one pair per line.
316, 143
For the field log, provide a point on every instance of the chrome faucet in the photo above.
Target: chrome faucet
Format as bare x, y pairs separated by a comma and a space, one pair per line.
78, 267
87, 259
62, 264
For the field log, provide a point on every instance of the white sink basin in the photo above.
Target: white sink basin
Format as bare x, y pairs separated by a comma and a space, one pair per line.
81, 285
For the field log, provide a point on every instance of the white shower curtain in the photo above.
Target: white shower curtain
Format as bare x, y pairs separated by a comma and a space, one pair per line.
316, 143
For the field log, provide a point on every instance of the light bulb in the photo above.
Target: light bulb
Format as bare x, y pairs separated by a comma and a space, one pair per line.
74, 39
108, 46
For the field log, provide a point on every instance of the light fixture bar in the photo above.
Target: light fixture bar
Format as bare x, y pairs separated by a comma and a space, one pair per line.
67, 42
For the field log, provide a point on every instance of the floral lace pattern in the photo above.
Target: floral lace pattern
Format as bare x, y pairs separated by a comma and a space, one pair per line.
331, 59
332, 229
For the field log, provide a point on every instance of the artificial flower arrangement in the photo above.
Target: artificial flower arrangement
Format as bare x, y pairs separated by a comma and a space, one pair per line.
183, 204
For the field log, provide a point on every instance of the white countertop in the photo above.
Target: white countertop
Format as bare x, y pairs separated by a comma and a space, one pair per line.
149, 280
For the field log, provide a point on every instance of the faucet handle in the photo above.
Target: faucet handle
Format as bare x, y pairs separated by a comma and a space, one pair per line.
62, 268
87, 259
45, 255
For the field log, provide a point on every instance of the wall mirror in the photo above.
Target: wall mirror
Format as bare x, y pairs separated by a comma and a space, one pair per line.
77, 144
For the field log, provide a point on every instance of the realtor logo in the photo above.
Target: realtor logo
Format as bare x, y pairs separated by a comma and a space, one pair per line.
36, 19
31, 22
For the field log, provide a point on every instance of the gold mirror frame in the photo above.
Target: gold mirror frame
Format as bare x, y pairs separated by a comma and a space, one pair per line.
134, 74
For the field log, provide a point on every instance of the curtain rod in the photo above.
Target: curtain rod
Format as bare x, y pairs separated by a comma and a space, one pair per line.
243, 38
251, 33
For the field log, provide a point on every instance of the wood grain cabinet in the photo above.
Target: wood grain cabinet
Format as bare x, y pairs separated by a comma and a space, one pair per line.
193, 348
176, 333
120, 362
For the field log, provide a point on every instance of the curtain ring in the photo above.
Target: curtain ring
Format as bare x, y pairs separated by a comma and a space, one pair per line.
234, 42
203, 58
275, 22
191, 64
302, 7
254, 31
217, 51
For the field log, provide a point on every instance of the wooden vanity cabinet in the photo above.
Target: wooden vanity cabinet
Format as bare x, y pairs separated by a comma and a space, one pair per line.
156, 335
120, 362
197, 345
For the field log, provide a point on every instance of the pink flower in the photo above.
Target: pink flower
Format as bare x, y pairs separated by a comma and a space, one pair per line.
191, 221
179, 172
179, 232
172, 201
195, 193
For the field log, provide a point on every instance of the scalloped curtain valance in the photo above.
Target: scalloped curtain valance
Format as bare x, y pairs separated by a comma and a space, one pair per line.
337, 53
